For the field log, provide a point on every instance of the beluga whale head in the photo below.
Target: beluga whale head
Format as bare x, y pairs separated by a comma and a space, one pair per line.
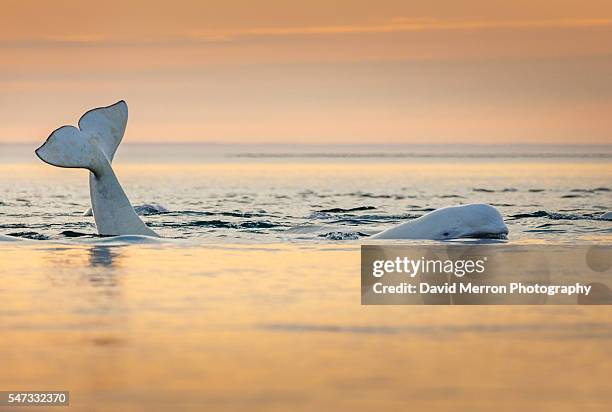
480, 221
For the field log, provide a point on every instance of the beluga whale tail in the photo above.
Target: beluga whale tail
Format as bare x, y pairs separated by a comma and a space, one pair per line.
92, 146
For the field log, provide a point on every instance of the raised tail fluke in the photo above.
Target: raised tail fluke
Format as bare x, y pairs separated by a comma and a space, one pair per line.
92, 146
99, 129
68, 147
106, 125
111, 121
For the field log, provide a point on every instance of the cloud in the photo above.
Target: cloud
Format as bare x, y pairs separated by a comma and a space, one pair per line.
401, 24
395, 25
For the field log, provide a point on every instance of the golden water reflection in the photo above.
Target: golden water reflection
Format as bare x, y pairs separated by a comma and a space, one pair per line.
276, 327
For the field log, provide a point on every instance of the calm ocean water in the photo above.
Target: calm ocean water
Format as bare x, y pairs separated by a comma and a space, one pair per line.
254, 301
316, 194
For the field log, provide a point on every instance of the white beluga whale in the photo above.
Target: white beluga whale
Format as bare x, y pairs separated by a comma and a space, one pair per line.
5, 238
453, 222
144, 209
92, 146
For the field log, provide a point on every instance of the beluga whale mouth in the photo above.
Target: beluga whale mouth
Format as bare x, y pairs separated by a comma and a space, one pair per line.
92, 146
473, 221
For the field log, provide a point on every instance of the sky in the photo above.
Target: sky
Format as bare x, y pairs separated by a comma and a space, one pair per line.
321, 71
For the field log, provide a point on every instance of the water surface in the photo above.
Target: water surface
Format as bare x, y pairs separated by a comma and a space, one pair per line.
276, 327
252, 300
237, 194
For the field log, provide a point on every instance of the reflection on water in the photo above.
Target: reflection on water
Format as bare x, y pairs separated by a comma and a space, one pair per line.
102, 256
103, 260
276, 327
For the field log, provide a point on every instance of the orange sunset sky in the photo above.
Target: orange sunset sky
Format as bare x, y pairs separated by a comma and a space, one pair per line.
249, 71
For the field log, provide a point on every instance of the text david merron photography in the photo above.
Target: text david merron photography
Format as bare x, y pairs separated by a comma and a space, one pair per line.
485, 274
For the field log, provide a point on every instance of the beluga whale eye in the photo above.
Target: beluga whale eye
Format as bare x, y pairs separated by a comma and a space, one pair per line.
445, 234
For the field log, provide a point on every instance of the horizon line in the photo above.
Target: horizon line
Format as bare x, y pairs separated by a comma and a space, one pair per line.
216, 143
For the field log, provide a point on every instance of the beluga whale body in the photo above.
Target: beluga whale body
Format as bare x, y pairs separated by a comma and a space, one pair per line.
4, 238
453, 222
92, 146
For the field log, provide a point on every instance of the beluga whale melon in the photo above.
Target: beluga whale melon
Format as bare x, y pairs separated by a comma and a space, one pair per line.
92, 146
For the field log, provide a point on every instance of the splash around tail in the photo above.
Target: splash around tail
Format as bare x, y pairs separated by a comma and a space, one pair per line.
92, 146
